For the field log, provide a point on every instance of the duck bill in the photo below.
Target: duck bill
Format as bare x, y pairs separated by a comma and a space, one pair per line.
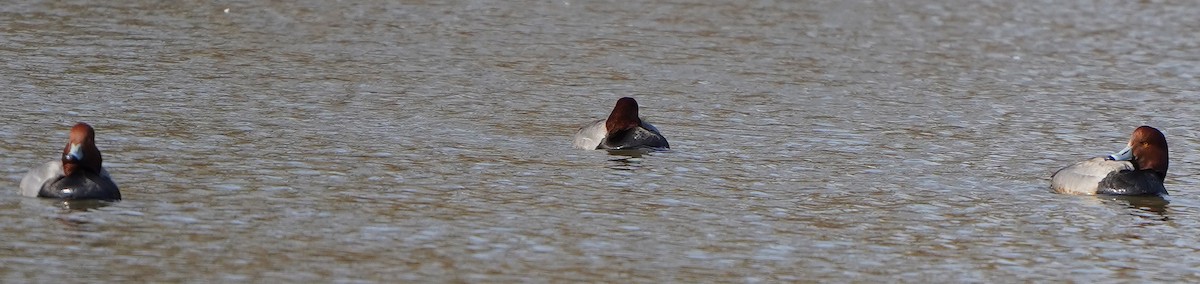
75, 154
1123, 155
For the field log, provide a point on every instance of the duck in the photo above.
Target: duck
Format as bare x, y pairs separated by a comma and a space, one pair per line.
622, 130
78, 174
1138, 169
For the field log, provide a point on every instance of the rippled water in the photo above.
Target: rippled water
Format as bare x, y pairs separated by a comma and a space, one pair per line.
429, 141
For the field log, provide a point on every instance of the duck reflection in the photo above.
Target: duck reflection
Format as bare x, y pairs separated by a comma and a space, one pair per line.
83, 204
1148, 207
628, 159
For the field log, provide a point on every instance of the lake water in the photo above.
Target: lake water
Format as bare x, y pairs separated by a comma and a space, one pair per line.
430, 141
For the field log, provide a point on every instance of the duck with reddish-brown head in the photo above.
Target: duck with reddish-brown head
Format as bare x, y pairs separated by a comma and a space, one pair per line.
622, 130
77, 174
1139, 169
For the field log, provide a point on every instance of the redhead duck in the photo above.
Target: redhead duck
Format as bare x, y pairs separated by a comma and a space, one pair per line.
77, 175
622, 130
1139, 169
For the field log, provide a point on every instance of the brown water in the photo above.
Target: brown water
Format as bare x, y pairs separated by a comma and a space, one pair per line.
429, 141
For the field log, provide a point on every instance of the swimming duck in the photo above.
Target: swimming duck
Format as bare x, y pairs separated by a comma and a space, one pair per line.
1139, 169
78, 174
622, 130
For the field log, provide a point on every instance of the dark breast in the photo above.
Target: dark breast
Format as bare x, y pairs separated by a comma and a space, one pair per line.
634, 138
1139, 182
81, 185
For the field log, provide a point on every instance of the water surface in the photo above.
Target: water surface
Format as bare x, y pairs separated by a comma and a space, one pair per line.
429, 141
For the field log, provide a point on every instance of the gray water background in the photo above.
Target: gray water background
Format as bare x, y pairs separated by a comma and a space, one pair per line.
429, 141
